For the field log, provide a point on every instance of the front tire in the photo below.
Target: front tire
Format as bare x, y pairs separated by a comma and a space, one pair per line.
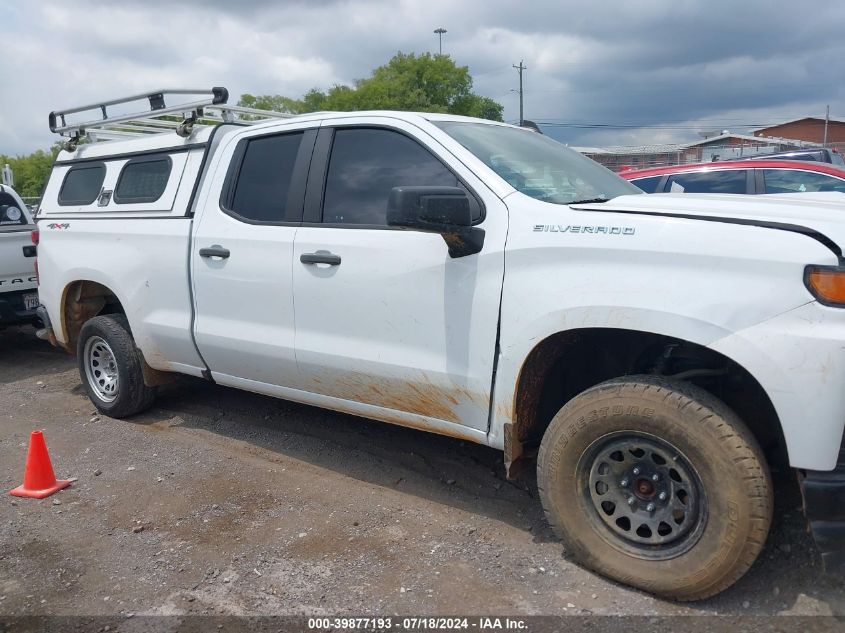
110, 367
656, 484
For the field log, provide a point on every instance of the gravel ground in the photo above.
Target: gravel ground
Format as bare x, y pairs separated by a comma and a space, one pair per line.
221, 502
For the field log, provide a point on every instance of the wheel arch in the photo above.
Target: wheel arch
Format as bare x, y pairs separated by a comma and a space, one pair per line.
82, 300
565, 363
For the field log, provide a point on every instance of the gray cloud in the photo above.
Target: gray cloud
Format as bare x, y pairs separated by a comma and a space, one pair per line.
677, 67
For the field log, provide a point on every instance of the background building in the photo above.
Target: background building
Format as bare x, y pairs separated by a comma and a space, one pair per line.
723, 146
807, 129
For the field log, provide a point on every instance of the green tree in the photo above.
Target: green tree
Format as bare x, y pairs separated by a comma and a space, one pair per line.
31, 172
276, 103
313, 101
423, 83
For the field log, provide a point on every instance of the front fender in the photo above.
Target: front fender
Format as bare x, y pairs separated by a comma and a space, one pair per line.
798, 357
519, 346
714, 284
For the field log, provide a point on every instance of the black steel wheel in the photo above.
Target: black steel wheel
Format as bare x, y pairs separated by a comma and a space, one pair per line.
656, 484
644, 493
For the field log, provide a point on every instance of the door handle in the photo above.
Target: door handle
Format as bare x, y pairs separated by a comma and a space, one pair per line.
215, 251
320, 257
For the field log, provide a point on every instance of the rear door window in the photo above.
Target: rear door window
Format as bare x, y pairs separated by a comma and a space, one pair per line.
82, 184
262, 172
796, 181
649, 184
717, 181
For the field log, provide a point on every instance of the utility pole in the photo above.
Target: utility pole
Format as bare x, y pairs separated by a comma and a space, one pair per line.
519, 69
826, 120
440, 31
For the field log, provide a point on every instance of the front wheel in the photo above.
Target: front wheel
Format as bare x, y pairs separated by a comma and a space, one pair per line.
110, 367
656, 484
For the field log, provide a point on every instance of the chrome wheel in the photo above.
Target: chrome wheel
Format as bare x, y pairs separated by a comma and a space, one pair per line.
642, 494
101, 369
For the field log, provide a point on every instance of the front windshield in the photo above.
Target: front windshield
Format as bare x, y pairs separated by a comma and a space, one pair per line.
536, 165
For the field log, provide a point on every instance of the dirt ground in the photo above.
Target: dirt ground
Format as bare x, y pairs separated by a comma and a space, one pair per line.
224, 502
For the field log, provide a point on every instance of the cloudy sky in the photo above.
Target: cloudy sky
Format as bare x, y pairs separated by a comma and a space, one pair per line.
600, 72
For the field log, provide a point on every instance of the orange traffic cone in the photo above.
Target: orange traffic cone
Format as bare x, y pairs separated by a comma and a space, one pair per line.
39, 481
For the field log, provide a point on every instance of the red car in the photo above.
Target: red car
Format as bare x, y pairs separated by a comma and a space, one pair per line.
740, 176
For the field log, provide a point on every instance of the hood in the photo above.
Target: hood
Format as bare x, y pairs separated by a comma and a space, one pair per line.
818, 215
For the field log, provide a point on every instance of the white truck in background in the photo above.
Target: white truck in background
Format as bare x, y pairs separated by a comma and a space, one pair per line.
18, 284
654, 353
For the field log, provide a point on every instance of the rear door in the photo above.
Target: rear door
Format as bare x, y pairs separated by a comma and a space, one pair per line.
17, 253
391, 320
241, 256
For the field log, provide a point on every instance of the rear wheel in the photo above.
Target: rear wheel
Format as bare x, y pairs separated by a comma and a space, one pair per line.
656, 484
110, 367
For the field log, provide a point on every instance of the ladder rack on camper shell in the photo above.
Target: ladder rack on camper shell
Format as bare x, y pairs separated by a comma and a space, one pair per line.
157, 117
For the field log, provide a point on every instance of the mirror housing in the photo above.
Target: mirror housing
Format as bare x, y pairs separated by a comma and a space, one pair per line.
429, 209
448, 211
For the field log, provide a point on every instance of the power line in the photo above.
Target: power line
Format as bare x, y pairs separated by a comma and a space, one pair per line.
519, 69
826, 121
655, 86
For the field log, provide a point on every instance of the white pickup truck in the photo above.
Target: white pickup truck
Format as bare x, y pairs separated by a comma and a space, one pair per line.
18, 287
654, 353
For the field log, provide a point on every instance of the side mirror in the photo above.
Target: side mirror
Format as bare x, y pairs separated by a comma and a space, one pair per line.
445, 210
429, 209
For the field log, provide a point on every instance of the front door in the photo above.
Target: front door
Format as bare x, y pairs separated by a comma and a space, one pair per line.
385, 316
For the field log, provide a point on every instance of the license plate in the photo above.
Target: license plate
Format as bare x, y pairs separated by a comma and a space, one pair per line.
30, 301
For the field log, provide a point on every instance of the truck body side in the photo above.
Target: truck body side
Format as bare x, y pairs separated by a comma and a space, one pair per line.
392, 324
561, 279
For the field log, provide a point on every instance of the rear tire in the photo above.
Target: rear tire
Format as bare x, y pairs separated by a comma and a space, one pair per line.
656, 484
110, 367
